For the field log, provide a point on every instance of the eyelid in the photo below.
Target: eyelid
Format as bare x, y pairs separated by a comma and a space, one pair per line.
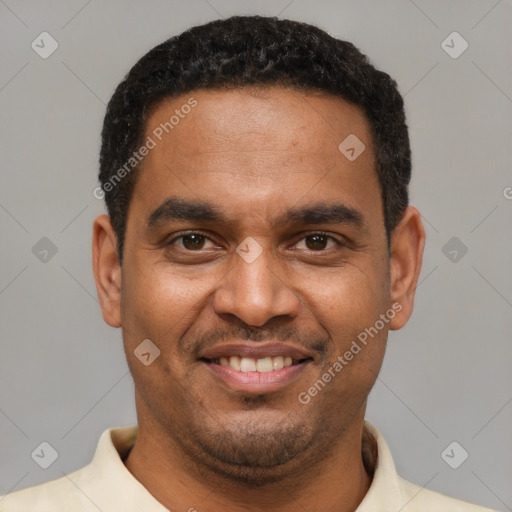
174, 237
321, 233
208, 237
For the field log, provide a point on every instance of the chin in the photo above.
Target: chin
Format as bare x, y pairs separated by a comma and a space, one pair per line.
254, 453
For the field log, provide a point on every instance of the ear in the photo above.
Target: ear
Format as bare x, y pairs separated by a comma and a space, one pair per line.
407, 244
107, 270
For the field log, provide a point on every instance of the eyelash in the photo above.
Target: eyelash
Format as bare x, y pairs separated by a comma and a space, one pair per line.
317, 233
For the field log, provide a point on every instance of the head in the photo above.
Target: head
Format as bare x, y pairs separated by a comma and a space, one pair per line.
255, 172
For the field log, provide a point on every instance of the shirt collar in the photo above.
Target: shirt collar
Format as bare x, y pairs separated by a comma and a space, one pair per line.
110, 486
385, 492
107, 482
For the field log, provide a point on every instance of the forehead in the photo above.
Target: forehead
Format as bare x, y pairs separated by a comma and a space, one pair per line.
254, 150
286, 120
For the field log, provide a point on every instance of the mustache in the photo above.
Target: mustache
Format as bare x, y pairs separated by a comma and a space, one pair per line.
314, 341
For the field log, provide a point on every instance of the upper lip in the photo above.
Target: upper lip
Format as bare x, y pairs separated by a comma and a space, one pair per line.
258, 350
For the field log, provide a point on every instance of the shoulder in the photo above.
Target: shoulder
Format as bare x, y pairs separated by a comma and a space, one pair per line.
390, 491
59, 495
420, 499
104, 481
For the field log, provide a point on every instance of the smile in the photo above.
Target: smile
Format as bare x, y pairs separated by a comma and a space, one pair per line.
261, 365
248, 375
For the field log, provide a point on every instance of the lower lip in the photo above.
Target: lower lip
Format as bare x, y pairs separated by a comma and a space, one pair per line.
256, 382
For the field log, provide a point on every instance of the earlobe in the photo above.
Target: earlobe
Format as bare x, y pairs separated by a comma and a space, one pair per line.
407, 245
107, 271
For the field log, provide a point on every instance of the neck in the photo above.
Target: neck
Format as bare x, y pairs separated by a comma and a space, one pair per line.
338, 483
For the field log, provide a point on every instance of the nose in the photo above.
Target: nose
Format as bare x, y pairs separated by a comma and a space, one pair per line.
255, 291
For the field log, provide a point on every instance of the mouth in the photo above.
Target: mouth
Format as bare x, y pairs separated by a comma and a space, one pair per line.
258, 369
260, 365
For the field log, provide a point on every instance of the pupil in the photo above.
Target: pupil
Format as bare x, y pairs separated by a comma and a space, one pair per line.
197, 241
317, 242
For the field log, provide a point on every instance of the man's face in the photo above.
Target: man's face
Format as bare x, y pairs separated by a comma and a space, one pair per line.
199, 288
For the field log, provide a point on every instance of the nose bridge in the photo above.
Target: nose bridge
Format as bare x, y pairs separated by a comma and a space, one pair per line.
253, 289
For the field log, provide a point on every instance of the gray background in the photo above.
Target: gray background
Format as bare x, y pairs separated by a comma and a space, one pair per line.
446, 377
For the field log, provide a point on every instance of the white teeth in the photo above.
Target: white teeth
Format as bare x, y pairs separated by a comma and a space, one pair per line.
264, 365
249, 364
234, 362
278, 362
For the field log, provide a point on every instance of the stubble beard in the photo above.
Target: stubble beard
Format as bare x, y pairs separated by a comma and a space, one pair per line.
255, 454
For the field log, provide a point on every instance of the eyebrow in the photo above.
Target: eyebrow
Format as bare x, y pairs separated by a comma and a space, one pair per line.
176, 208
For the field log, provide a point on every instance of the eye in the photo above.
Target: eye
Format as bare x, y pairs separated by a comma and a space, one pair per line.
195, 242
191, 241
317, 242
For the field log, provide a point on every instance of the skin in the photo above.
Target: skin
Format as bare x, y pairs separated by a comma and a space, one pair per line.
255, 153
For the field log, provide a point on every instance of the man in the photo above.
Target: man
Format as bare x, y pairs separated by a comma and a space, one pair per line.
259, 247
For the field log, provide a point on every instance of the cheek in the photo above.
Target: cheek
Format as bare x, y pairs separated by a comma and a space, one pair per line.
348, 304
159, 305
162, 304
156, 297
349, 297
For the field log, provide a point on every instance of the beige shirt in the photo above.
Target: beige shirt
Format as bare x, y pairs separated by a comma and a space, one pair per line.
106, 485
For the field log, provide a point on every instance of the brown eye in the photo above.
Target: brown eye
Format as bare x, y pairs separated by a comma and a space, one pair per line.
316, 242
319, 242
190, 242
193, 242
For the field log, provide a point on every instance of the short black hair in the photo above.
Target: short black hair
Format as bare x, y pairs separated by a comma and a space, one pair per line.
253, 50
